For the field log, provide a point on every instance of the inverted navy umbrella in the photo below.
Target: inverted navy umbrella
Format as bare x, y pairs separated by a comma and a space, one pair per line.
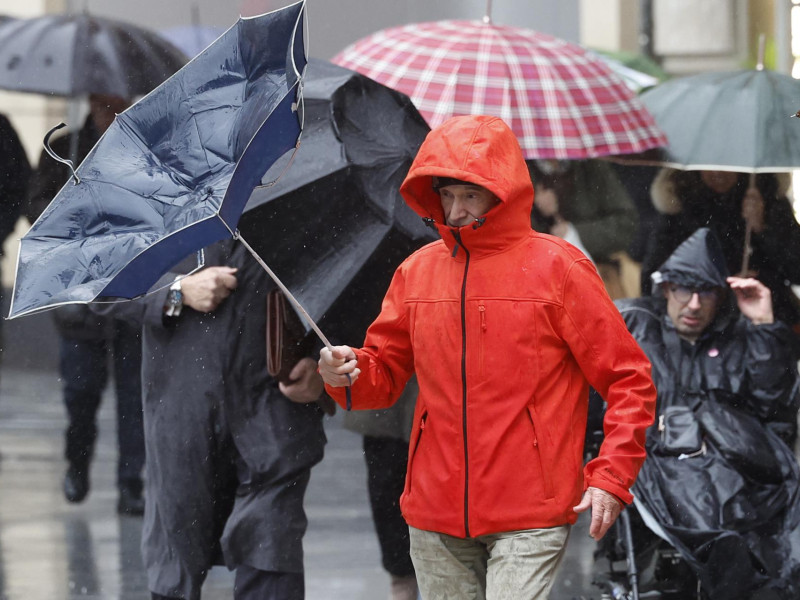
173, 172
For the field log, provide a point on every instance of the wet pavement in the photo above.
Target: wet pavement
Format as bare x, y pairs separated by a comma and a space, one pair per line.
52, 550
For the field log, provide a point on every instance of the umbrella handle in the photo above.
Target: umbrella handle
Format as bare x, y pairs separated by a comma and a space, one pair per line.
748, 232
49, 150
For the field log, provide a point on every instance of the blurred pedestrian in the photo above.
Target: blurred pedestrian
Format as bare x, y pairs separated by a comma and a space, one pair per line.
724, 202
585, 203
229, 449
385, 441
493, 320
14, 174
86, 340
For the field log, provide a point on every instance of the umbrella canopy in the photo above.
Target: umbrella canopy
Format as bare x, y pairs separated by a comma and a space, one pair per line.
334, 227
173, 172
73, 55
728, 121
560, 100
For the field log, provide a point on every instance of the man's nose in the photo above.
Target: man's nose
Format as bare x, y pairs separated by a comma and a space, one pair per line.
458, 207
694, 301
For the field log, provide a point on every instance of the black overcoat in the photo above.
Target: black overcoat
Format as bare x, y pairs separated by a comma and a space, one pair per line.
228, 456
733, 508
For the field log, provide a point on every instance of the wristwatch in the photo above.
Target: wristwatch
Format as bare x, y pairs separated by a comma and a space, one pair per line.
174, 303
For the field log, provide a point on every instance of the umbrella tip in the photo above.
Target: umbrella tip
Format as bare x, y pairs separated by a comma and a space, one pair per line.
487, 16
797, 114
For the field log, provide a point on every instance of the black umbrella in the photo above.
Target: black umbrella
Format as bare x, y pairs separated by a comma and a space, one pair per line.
72, 55
334, 227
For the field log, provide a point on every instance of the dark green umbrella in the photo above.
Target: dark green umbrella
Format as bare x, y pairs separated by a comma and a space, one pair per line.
729, 121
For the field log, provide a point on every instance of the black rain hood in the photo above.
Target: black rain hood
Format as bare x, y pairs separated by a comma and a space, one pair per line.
697, 263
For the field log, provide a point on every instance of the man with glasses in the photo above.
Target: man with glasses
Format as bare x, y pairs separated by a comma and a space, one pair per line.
720, 480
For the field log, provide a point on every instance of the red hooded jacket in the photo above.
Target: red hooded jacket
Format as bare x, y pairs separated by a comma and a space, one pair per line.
506, 330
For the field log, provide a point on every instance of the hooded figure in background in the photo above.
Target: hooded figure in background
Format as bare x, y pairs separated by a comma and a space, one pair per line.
720, 480
493, 320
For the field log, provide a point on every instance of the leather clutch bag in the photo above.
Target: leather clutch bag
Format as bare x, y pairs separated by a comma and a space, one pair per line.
288, 342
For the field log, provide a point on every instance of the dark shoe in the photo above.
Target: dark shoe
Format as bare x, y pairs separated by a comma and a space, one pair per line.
131, 501
76, 483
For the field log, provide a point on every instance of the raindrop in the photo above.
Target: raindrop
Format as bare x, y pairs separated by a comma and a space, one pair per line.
48, 61
14, 62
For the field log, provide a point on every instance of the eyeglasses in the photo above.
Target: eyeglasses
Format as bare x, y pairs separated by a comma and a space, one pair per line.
683, 294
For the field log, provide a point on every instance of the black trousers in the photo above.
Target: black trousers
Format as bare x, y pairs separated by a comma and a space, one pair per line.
252, 584
84, 371
387, 460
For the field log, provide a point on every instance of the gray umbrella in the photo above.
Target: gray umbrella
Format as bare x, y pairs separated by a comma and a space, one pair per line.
729, 121
73, 55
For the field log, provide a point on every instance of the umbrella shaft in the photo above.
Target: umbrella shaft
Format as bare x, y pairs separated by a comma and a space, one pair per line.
286, 291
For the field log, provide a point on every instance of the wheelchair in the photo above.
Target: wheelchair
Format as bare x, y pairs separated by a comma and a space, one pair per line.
632, 562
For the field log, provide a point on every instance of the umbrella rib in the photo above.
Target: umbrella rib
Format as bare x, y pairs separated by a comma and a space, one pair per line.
286, 291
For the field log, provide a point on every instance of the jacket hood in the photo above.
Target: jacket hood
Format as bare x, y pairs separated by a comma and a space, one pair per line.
483, 151
698, 262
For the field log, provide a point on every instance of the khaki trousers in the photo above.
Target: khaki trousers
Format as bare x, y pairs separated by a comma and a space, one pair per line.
513, 565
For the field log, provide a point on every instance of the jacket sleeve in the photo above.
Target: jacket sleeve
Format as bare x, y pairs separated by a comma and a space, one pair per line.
386, 359
145, 311
618, 369
772, 377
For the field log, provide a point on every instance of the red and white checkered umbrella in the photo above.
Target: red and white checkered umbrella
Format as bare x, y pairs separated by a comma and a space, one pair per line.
561, 100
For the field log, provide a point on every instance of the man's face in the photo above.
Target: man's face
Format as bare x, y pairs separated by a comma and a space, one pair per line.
462, 204
691, 310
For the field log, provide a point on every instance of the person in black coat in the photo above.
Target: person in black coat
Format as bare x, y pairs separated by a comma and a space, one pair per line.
720, 479
229, 449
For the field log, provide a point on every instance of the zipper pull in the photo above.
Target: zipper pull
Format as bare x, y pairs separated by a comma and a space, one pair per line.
662, 427
482, 310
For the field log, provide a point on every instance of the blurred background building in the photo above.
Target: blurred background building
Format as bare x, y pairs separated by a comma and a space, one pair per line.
682, 36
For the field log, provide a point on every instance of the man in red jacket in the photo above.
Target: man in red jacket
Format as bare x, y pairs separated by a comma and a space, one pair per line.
506, 329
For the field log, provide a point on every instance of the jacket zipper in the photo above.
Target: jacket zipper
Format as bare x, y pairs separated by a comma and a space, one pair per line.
482, 313
464, 380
